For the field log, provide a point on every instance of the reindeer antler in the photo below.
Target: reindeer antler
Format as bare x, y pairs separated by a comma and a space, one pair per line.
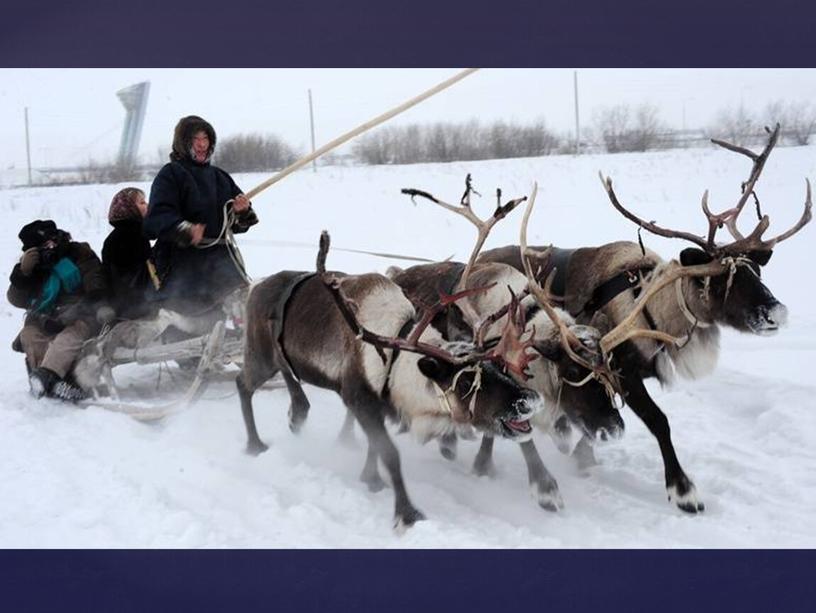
483, 227
728, 218
626, 329
510, 349
568, 340
412, 344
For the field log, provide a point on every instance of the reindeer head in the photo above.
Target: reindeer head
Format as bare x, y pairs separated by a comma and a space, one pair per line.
585, 385
470, 383
725, 276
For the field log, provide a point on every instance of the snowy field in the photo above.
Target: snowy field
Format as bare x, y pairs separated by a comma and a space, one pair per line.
745, 434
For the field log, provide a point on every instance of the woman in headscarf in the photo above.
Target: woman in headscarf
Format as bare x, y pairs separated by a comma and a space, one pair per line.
126, 255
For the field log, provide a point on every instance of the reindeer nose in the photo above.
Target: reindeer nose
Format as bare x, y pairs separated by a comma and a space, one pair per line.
529, 403
777, 315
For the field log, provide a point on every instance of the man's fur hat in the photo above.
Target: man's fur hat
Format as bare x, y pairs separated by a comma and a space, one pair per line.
186, 128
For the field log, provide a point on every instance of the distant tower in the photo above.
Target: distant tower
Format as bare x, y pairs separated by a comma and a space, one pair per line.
134, 99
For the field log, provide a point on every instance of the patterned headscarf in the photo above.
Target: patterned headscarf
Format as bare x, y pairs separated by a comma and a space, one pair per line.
123, 206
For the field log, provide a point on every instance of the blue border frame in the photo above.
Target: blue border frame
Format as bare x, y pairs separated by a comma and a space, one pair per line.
393, 581
419, 33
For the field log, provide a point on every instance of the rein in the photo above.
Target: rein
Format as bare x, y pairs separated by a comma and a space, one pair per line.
442, 395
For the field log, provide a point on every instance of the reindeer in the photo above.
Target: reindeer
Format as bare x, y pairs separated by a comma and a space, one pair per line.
482, 317
359, 336
665, 316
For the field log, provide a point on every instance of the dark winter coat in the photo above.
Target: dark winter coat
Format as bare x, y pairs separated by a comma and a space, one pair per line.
82, 304
125, 254
185, 190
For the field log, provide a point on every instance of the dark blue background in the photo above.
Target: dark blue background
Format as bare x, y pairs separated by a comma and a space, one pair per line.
385, 33
411, 33
395, 581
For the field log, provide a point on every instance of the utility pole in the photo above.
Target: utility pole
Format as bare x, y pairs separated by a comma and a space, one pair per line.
311, 124
577, 124
28, 147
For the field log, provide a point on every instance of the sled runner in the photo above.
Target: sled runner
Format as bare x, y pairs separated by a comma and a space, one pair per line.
206, 349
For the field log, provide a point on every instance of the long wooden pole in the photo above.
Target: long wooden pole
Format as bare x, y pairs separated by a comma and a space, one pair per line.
311, 127
28, 147
359, 130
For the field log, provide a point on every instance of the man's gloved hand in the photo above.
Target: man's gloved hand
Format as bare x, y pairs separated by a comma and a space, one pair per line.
188, 233
240, 204
29, 261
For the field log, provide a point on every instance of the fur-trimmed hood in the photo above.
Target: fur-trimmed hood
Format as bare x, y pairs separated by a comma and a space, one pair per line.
183, 134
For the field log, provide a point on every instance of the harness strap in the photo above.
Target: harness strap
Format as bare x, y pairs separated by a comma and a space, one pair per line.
385, 394
279, 313
681, 302
559, 260
610, 289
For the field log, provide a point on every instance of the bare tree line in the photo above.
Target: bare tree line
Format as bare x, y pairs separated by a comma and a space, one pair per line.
448, 142
613, 129
740, 126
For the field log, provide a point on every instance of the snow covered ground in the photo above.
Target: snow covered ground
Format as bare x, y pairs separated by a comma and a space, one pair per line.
93, 478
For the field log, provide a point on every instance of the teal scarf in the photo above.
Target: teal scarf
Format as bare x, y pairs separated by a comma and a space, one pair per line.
64, 276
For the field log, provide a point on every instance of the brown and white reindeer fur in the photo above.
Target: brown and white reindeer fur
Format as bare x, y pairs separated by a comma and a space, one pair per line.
321, 348
737, 299
588, 405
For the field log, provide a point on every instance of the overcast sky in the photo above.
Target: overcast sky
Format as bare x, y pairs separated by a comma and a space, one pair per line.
74, 114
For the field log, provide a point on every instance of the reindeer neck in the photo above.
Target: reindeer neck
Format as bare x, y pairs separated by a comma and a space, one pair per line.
679, 309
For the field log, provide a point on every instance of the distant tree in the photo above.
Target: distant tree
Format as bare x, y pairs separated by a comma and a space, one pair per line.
447, 142
735, 125
623, 128
254, 152
373, 148
94, 171
796, 119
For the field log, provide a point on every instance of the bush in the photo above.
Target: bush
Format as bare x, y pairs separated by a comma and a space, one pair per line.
448, 142
622, 128
737, 126
797, 120
253, 152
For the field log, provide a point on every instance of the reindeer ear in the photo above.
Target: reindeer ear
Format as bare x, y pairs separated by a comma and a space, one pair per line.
435, 369
760, 257
550, 349
600, 322
692, 256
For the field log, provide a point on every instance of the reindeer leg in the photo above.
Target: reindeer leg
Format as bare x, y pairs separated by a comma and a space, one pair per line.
483, 462
346, 435
561, 434
369, 410
679, 487
447, 446
543, 486
370, 475
299, 404
255, 445
583, 454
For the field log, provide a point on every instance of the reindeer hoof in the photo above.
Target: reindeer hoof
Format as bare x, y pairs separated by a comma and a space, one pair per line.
484, 469
406, 519
256, 448
547, 496
297, 417
374, 483
684, 496
347, 439
584, 457
447, 446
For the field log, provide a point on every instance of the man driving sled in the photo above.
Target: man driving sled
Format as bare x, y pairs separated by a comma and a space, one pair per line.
195, 258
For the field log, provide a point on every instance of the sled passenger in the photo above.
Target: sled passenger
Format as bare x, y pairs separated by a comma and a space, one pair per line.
186, 215
127, 256
62, 286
